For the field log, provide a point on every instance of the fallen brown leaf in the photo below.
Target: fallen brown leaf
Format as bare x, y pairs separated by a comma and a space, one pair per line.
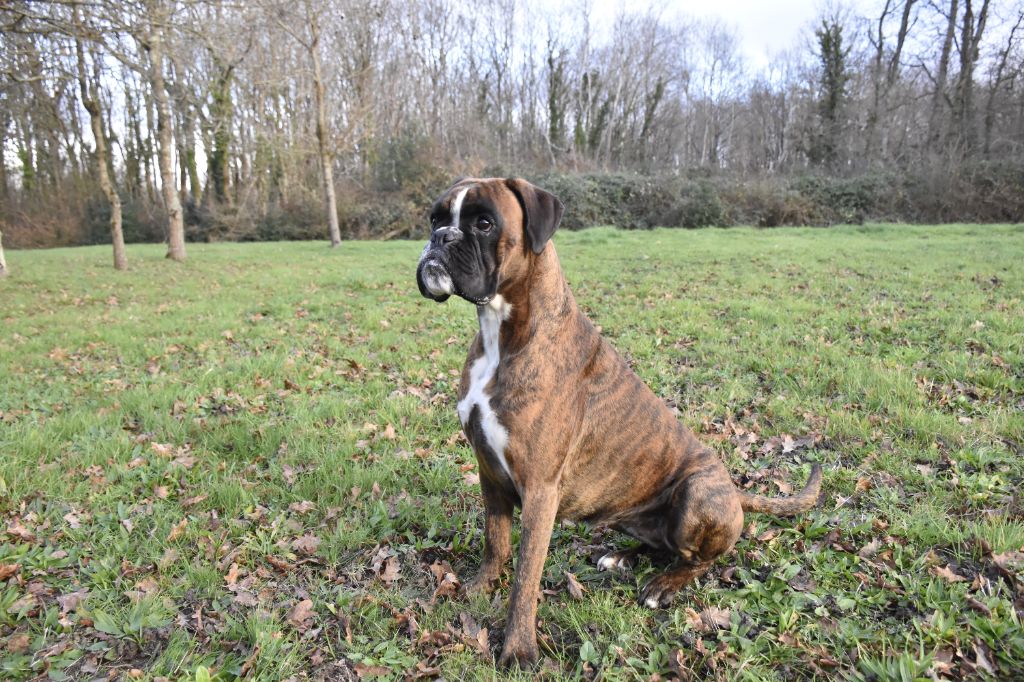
447, 582
306, 544
803, 582
474, 635
186, 461
300, 614
715, 617
784, 487
170, 555
16, 530
177, 531
677, 664
708, 620
18, 643
162, 449
7, 570
573, 586
390, 570
302, 507
982, 657
232, 575
978, 606
365, 671
869, 550
280, 564
946, 573
1009, 561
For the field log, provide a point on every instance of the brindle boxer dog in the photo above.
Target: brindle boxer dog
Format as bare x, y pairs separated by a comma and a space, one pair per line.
561, 426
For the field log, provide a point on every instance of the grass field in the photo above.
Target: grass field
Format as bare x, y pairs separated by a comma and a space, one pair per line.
250, 464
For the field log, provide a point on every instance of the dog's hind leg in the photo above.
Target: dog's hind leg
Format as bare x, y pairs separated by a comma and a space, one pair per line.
707, 520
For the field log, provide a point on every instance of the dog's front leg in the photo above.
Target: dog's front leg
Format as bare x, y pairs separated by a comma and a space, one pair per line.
540, 505
497, 538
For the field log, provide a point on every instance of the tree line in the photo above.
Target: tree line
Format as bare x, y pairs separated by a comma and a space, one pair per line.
230, 120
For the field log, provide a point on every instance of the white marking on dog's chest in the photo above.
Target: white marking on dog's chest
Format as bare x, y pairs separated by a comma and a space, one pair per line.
480, 374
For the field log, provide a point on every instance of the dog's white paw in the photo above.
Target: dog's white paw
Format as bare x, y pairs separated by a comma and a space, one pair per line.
613, 561
652, 603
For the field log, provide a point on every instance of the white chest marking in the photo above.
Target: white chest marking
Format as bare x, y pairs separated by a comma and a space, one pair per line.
481, 373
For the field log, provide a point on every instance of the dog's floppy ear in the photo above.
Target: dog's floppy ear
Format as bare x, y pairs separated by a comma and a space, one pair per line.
542, 211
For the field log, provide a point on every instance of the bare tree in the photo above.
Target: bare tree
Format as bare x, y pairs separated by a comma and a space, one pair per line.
309, 39
971, 31
158, 16
299, 105
91, 102
1003, 76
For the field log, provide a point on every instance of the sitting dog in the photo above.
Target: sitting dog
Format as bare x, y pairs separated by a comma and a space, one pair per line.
561, 426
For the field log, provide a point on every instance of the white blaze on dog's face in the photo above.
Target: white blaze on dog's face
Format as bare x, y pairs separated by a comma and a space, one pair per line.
461, 256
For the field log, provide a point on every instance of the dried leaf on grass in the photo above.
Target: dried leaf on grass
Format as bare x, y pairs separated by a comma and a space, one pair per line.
177, 531
368, 671
447, 582
301, 615
708, 620
946, 573
306, 544
390, 570
474, 635
572, 585
302, 507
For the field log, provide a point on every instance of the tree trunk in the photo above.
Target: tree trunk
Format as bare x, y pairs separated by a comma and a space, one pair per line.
147, 148
996, 83
3, 261
175, 220
194, 186
326, 165
221, 112
91, 102
4, 188
132, 144
970, 40
935, 123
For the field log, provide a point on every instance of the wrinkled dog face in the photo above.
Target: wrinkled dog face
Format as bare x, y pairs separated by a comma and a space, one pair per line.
461, 257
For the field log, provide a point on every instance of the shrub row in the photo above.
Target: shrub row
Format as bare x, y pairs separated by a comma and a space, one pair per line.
397, 208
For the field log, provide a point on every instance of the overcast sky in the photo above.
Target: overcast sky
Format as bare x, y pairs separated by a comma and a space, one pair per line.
765, 27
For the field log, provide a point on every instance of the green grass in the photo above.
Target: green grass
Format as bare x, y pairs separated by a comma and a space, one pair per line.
190, 452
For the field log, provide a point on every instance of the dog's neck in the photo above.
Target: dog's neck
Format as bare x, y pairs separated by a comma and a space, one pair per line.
537, 304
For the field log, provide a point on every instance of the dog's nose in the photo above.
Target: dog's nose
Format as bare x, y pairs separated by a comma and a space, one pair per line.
444, 236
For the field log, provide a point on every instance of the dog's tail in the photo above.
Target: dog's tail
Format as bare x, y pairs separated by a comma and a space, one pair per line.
786, 506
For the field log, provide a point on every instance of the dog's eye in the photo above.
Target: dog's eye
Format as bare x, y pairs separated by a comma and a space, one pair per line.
484, 224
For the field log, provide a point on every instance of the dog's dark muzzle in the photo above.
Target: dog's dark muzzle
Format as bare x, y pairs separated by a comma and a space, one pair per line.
443, 236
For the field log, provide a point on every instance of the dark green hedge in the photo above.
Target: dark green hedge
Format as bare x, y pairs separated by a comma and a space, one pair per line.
388, 209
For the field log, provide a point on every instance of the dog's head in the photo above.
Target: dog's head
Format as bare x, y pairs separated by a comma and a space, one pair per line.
483, 232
